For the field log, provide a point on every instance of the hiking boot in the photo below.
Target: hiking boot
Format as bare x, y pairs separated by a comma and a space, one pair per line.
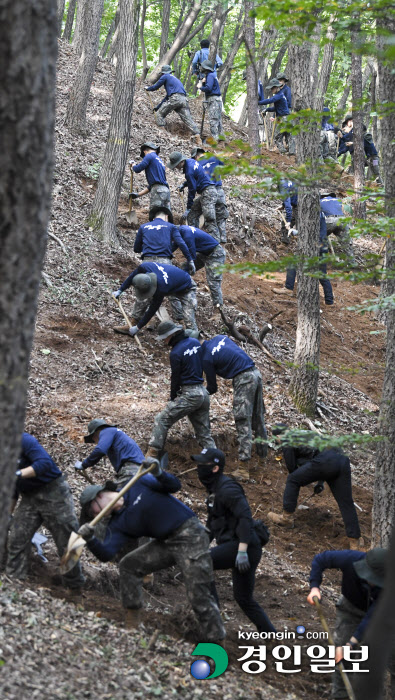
152, 452
356, 543
148, 580
124, 330
197, 139
284, 290
285, 519
241, 473
133, 617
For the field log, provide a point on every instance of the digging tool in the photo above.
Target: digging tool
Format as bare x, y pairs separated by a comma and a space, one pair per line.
76, 543
85, 475
131, 216
274, 126
129, 323
291, 231
153, 108
340, 665
202, 124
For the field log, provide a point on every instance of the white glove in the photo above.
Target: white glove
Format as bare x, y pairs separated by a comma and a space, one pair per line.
117, 294
133, 330
191, 267
78, 465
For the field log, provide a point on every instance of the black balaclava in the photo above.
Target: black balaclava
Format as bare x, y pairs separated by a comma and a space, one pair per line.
206, 475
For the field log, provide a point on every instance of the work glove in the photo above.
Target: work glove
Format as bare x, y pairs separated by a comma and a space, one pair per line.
132, 162
318, 488
181, 188
133, 331
157, 470
86, 532
185, 214
146, 87
242, 562
117, 294
264, 112
78, 466
191, 267
134, 195
18, 473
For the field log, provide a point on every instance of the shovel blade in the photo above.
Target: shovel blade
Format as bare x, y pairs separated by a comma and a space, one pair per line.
72, 554
131, 217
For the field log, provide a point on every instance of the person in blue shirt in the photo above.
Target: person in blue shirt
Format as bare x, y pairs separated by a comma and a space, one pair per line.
208, 253
210, 86
372, 160
221, 356
332, 209
188, 396
149, 509
123, 452
281, 110
363, 576
324, 282
201, 56
45, 499
286, 90
197, 181
289, 194
153, 282
209, 165
331, 133
175, 101
155, 173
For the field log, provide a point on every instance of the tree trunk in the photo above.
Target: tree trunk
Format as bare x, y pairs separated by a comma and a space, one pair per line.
27, 116
79, 93
111, 31
359, 153
373, 105
314, 56
304, 381
69, 21
197, 29
179, 40
252, 82
166, 6
219, 18
341, 105
321, 85
60, 8
103, 218
78, 36
278, 60
142, 42
226, 73
111, 55
266, 46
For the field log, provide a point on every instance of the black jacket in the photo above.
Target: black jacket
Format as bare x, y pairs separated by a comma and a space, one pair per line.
229, 515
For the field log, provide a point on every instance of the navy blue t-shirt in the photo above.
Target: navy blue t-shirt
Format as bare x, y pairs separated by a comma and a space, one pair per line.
34, 455
209, 165
198, 241
171, 84
211, 86
286, 90
118, 447
197, 179
159, 238
154, 167
331, 206
280, 104
289, 195
185, 363
223, 357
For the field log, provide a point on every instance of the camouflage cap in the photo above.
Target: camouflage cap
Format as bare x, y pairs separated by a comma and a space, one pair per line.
282, 76
149, 144
272, 84
346, 119
372, 567
197, 150
94, 425
175, 159
207, 65
145, 285
166, 69
167, 328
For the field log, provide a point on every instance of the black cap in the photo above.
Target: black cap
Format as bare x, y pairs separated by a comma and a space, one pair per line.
210, 456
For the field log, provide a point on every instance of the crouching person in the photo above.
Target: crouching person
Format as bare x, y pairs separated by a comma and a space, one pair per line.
148, 510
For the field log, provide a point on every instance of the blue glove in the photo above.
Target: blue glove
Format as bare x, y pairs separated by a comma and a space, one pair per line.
191, 267
117, 294
185, 214
133, 331
149, 461
242, 562
78, 466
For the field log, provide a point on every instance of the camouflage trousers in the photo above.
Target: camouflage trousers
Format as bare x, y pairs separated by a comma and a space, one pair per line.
205, 204
211, 263
214, 109
177, 103
373, 165
52, 506
188, 548
342, 232
221, 213
332, 143
282, 134
192, 401
159, 196
248, 411
125, 473
183, 305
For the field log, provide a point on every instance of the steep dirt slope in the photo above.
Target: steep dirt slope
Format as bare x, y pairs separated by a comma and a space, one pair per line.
80, 369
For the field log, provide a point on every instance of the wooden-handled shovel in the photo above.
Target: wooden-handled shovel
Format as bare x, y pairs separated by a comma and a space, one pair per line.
76, 544
340, 665
128, 321
131, 216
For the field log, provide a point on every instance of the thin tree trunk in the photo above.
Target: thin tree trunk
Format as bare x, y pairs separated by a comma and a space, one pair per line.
180, 19
28, 69
166, 6
69, 21
179, 40
266, 46
197, 29
252, 82
314, 55
226, 74
219, 18
373, 106
78, 36
142, 42
79, 93
304, 381
278, 60
61, 4
103, 217
111, 31
321, 85
341, 105
111, 54
359, 153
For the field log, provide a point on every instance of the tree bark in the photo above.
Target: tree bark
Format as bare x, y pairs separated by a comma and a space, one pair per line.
111, 31
103, 218
111, 54
69, 21
142, 42
252, 82
26, 162
278, 60
79, 93
314, 56
78, 29
197, 29
266, 46
60, 7
321, 85
219, 18
179, 40
359, 153
226, 73
304, 381
166, 6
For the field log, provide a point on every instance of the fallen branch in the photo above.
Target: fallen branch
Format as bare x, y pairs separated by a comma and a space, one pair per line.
47, 279
244, 334
62, 245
